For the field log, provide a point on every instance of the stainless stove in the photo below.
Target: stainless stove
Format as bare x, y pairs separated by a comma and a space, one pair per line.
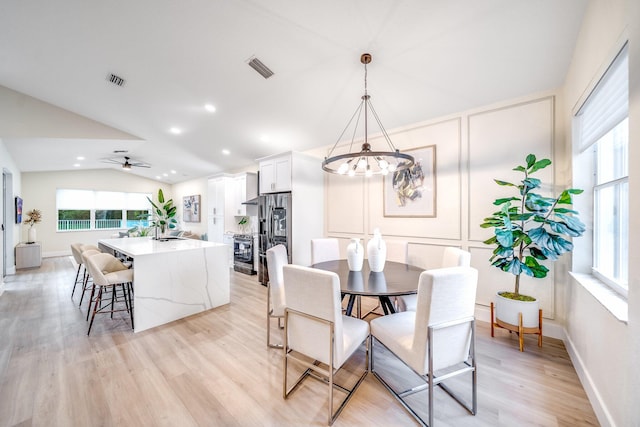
244, 249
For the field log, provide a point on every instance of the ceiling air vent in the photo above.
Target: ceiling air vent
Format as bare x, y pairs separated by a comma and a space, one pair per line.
116, 80
262, 69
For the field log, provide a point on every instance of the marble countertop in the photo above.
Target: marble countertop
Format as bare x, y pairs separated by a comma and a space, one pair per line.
137, 246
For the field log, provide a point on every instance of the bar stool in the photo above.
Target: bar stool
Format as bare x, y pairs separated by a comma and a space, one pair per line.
76, 251
108, 274
86, 285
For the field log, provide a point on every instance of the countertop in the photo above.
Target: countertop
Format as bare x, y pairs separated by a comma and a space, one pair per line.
137, 246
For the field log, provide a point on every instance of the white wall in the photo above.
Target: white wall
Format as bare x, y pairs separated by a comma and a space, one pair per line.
472, 148
191, 188
603, 348
39, 192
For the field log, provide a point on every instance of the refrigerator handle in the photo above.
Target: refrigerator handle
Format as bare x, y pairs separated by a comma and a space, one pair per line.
270, 227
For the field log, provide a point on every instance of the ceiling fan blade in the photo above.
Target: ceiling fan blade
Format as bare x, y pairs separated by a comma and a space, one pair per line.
114, 161
139, 165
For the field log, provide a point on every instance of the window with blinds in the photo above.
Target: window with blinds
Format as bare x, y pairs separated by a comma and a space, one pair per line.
601, 127
99, 210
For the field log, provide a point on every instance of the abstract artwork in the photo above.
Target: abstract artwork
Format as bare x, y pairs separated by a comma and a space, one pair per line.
191, 208
18, 210
411, 192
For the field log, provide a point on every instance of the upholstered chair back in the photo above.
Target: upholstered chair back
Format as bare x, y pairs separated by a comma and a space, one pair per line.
276, 259
76, 251
397, 251
455, 257
444, 295
326, 249
316, 293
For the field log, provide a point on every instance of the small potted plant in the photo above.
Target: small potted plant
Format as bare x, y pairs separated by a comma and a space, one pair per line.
529, 229
33, 217
163, 214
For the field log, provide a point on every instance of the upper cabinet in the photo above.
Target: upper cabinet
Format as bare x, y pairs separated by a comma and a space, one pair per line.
227, 196
275, 174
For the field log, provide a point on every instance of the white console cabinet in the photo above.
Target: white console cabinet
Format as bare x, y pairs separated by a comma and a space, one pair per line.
28, 255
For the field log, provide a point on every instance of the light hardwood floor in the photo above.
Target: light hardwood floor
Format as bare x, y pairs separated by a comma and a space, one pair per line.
214, 369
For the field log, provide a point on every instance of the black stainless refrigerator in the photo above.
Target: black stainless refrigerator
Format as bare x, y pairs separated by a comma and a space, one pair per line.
274, 220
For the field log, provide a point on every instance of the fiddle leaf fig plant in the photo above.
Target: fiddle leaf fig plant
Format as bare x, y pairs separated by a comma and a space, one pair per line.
530, 228
163, 214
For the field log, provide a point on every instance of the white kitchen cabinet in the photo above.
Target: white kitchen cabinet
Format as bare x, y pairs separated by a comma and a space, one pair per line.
301, 175
227, 194
275, 174
216, 210
239, 195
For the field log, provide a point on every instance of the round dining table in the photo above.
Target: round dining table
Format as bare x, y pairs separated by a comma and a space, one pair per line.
395, 279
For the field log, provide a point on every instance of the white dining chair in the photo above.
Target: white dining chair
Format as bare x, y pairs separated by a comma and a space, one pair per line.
452, 257
315, 329
326, 249
276, 259
439, 337
397, 251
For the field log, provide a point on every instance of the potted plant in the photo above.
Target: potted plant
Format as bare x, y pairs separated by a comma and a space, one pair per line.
33, 217
529, 229
163, 216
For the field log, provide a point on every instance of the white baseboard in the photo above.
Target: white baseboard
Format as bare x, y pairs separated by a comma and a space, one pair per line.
56, 254
603, 415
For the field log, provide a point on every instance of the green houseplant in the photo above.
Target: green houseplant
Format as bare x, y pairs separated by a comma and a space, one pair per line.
530, 229
163, 215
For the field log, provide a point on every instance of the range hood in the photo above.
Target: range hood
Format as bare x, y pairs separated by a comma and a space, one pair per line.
253, 201
252, 189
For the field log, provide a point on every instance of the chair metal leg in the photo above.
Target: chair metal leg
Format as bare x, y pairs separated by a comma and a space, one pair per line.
95, 309
269, 317
314, 370
431, 380
93, 291
75, 283
129, 292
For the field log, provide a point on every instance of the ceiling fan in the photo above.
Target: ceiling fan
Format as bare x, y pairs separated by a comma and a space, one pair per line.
128, 163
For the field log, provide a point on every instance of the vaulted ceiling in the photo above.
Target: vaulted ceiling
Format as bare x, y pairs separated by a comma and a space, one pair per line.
430, 58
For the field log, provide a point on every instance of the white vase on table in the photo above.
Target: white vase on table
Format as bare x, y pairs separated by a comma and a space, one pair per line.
355, 255
31, 235
376, 252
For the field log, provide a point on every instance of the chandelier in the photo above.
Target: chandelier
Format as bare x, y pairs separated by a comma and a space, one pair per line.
366, 162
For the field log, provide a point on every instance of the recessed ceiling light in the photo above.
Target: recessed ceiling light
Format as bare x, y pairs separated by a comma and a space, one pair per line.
226, 152
80, 158
173, 171
158, 177
76, 165
210, 108
165, 174
175, 131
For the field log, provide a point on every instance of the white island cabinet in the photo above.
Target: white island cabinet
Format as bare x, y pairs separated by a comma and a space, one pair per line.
173, 279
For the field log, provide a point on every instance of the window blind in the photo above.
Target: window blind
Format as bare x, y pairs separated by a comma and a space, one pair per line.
89, 200
607, 105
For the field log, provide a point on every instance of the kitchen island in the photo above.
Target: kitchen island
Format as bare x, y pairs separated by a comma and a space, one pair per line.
173, 278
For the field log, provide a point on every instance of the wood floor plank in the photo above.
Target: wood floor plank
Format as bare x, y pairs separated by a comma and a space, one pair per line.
214, 368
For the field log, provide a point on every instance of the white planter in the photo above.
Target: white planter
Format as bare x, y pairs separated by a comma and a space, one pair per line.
507, 311
376, 252
355, 255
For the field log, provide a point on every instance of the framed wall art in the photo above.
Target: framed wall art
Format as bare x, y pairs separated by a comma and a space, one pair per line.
18, 210
411, 192
191, 208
